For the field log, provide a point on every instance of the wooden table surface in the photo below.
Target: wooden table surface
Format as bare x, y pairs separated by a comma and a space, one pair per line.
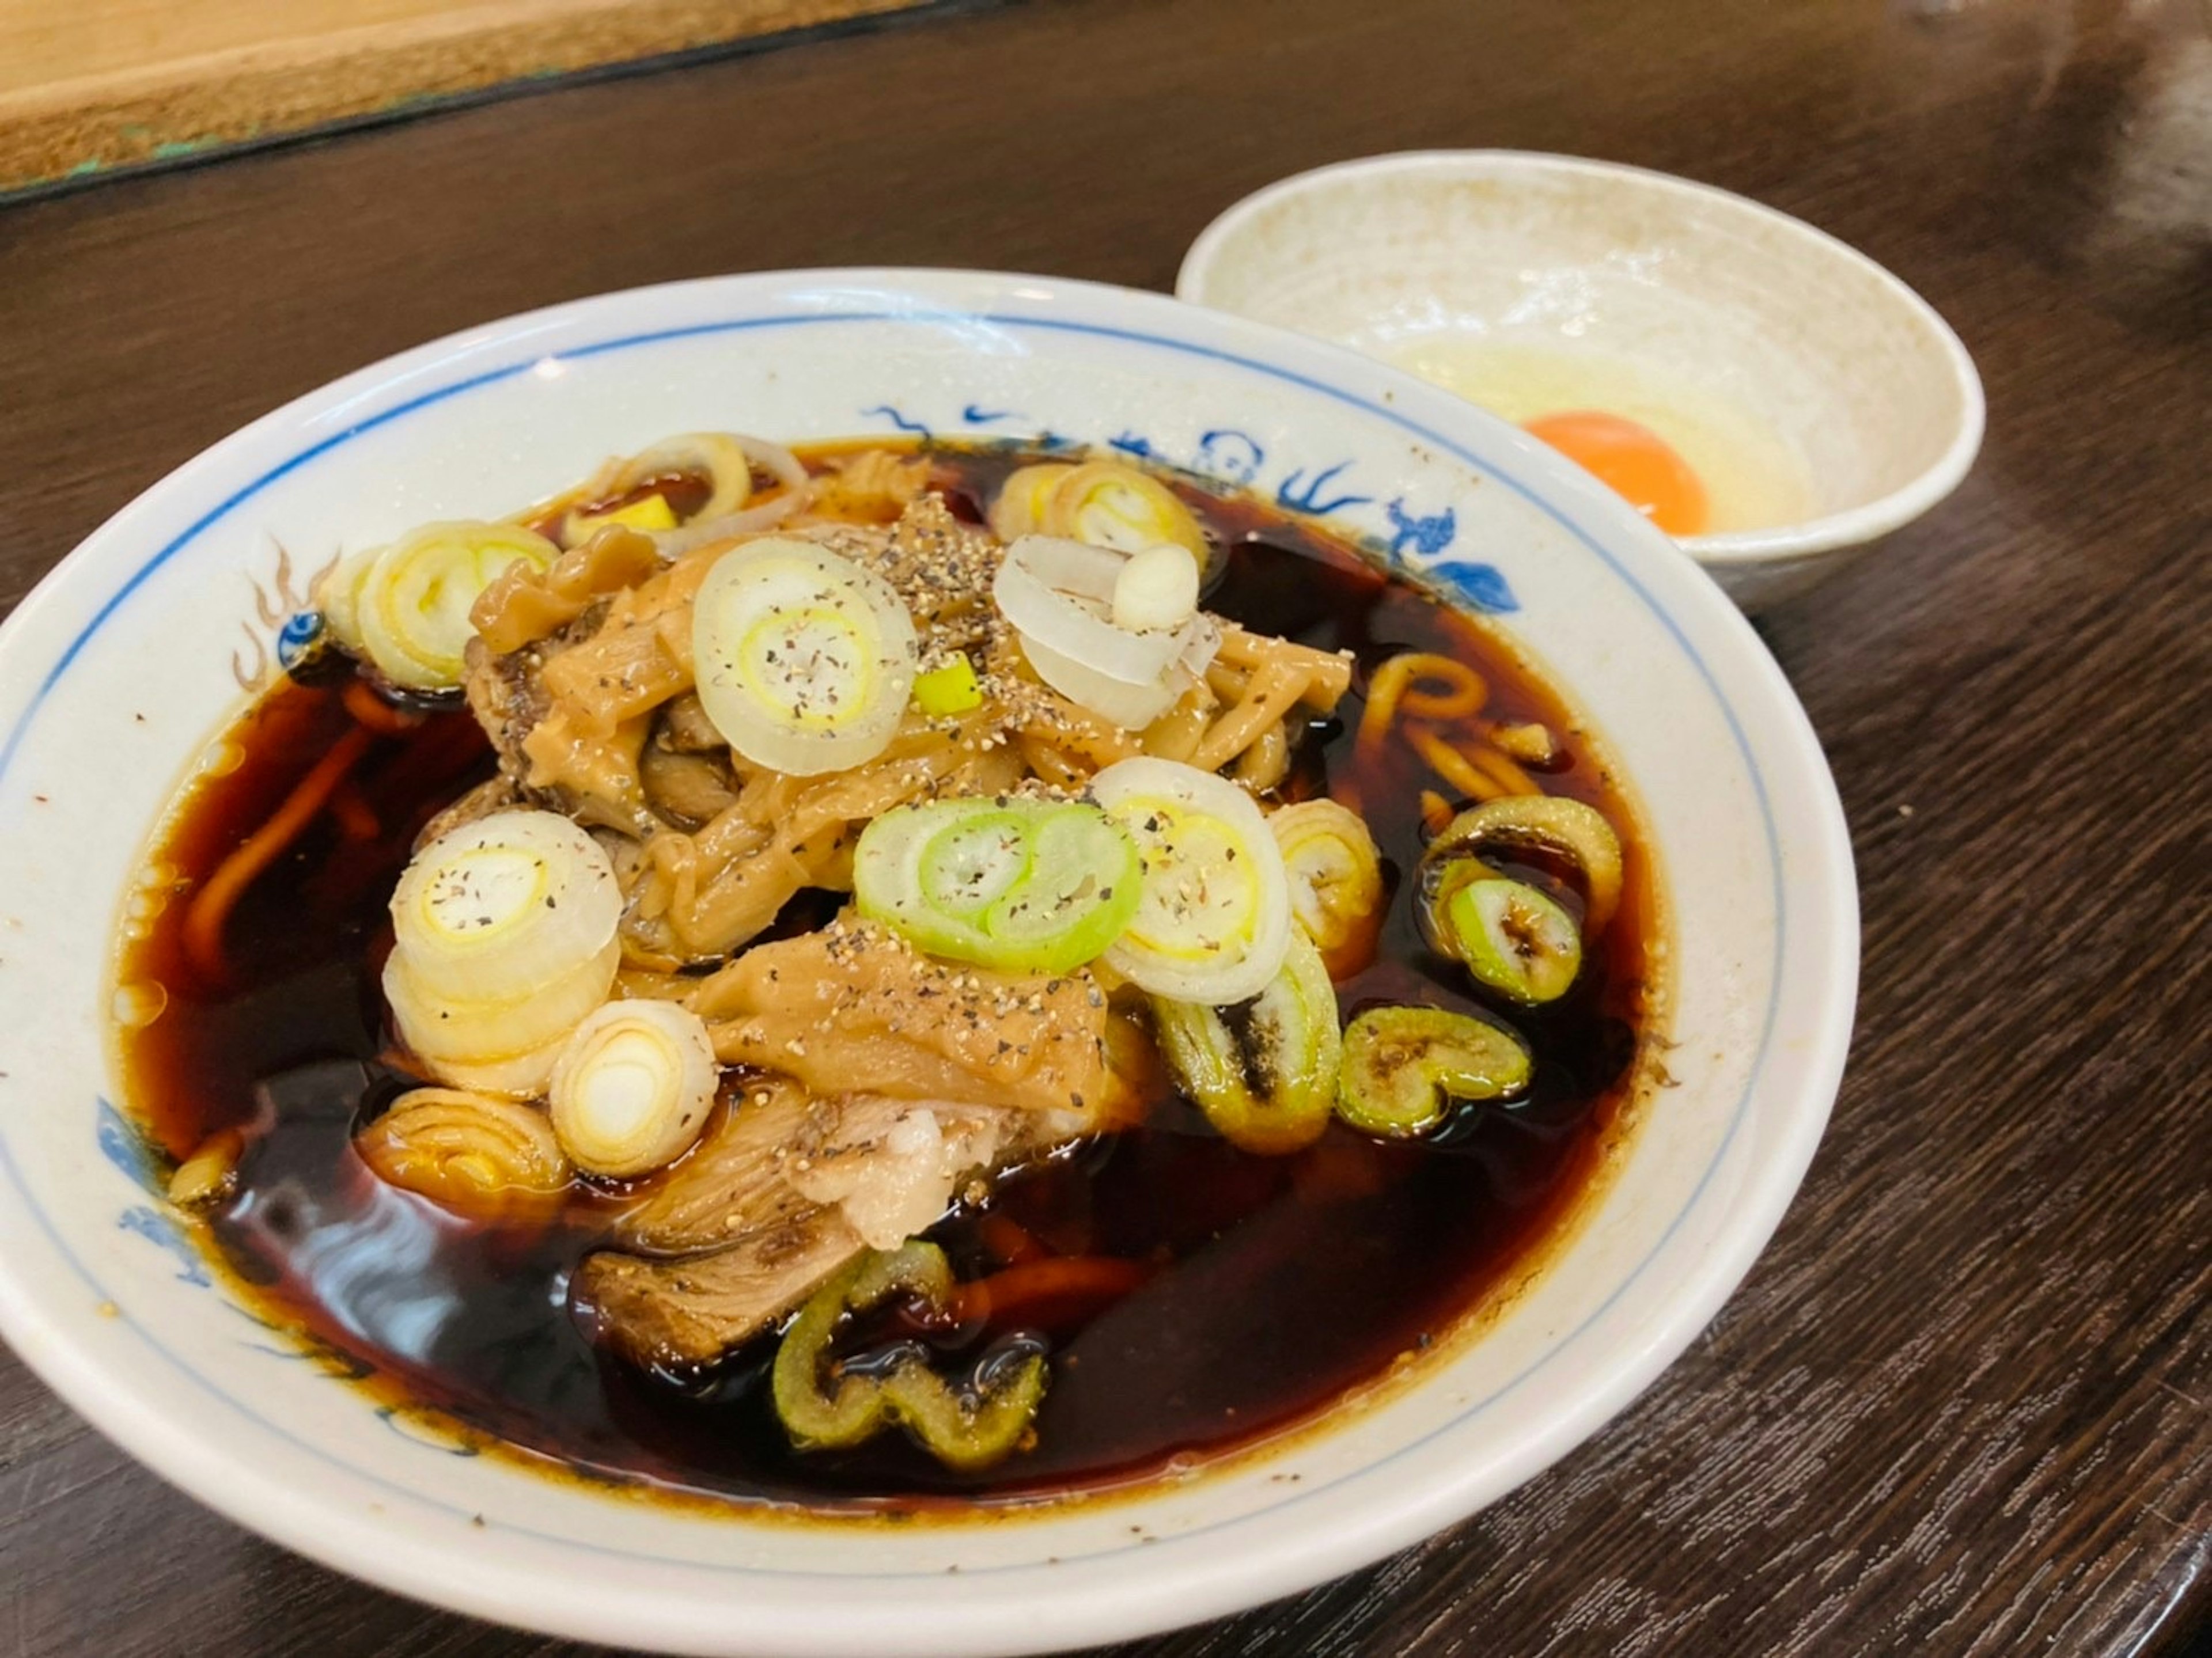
1958, 1406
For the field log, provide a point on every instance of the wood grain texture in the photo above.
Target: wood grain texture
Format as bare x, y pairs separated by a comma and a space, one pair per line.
109, 84
1958, 1408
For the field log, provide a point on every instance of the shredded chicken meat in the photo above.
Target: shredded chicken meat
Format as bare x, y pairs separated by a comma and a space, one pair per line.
785, 1190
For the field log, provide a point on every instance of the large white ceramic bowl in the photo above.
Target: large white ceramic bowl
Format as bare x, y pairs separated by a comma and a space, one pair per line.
116, 671
1796, 362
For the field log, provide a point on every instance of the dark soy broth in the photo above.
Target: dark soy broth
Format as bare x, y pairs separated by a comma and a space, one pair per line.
1269, 1286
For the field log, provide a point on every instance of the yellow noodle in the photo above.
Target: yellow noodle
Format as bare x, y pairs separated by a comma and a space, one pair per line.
1531, 743
1226, 681
1175, 733
1076, 732
1509, 776
1329, 673
1464, 694
1047, 762
1395, 689
1263, 764
1449, 764
1276, 687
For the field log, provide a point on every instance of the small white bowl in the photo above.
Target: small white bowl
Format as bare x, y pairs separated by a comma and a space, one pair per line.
137, 649
1804, 350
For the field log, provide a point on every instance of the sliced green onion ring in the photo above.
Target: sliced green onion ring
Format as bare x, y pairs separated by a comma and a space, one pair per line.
1109, 504
1550, 822
804, 661
632, 1087
1213, 919
1336, 877
719, 456
450, 1029
949, 689
1021, 885
1018, 507
338, 592
411, 609
504, 906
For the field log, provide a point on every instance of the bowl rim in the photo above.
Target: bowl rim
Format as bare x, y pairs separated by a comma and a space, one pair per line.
1033, 1613
1778, 545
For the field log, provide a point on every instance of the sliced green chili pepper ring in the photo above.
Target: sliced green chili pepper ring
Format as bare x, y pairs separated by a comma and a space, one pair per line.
1514, 938
1405, 1067
854, 1409
1263, 1071
958, 1432
960, 1435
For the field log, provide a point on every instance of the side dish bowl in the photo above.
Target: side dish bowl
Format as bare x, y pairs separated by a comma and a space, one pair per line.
140, 645
1792, 356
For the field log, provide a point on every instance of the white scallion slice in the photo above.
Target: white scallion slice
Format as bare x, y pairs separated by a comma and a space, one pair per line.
442, 1029
1336, 876
523, 1076
1157, 589
780, 464
632, 1087
1018, 508
504, 906
412, 609
1213, 919
337, 594
1057, 591
1132, 707
804, 661
1059, 595
718, 457
1109, 504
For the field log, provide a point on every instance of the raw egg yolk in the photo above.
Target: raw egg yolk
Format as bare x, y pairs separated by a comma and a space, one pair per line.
1633, 461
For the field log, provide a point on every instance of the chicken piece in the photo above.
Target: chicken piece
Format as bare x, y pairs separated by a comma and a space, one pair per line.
679, 1314
525, 603
569, 713
688, 791
779, 1151
856, 1002
686, 729
783, 1190
732, 1184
